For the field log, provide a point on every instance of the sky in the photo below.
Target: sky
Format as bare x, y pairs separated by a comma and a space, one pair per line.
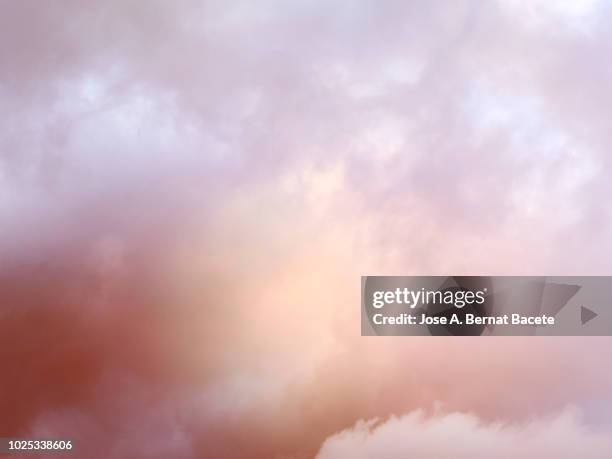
191, 190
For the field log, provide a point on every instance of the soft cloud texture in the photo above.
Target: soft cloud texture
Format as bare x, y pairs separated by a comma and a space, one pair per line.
462, 436
189, 192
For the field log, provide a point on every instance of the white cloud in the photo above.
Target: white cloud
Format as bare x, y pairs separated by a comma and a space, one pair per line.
575, 14
464, 436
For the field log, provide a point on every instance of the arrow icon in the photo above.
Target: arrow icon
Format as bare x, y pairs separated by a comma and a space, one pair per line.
586, 315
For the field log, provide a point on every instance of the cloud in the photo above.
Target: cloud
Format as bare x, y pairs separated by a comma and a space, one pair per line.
188, 191
464, 436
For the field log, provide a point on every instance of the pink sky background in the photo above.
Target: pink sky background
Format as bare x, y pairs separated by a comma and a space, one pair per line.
190, 192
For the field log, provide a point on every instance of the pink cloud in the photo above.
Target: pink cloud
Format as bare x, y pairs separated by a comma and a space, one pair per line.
189, 192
